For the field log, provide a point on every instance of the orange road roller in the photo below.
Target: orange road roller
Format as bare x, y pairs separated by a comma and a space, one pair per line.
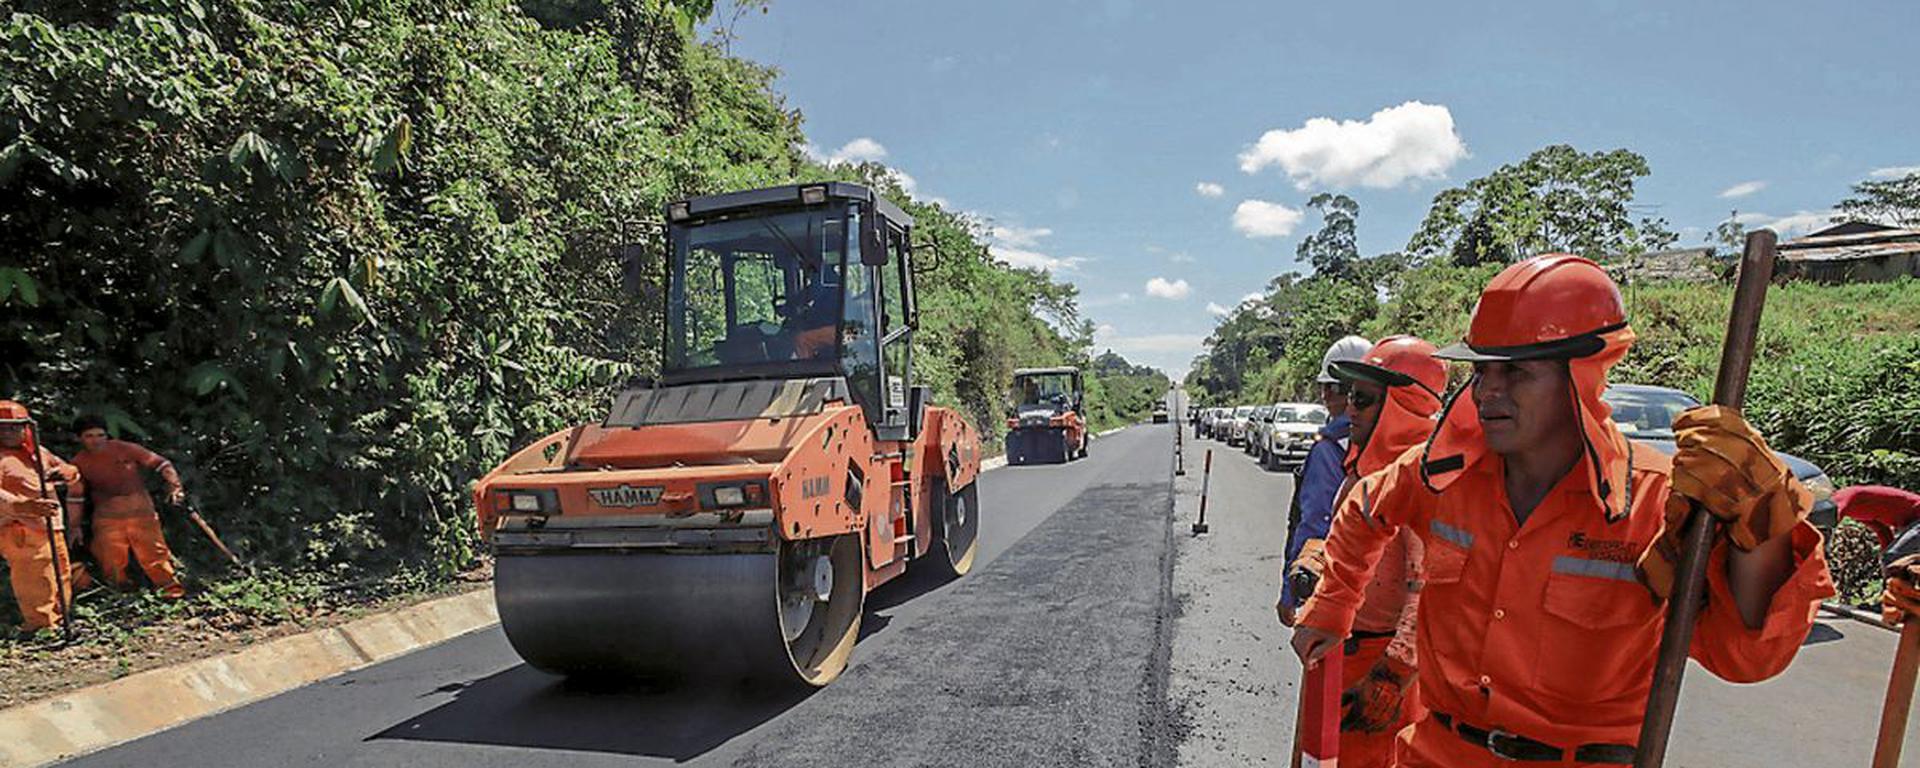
728, 518
1046, 416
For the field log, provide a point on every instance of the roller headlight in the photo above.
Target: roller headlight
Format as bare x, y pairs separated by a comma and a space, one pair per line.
534, 501
751, 493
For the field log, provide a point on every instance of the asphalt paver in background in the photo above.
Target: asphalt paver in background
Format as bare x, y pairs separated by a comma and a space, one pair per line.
1053, 652
1233, 680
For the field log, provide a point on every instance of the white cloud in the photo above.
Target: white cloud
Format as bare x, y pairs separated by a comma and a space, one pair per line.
1255, 296
1217, 310
860, 150
1020, 247
1020, 237
1181, 258
1209, 189
1743, 189
1792, 225
1161, 287
1030, 259
1411, 141
1895, 172
1259, 218
867, 150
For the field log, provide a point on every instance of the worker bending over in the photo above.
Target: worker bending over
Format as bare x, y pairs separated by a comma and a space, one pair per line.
1537, 632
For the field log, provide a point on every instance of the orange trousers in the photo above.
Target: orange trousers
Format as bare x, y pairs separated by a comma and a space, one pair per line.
115, 538
1372, 749
31, 560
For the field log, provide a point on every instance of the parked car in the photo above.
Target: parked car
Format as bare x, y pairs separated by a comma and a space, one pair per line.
1236, 432
1218, 428
1256, 429
1646, 413
1291, 430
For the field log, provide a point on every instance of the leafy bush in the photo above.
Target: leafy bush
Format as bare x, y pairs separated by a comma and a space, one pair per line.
337, 257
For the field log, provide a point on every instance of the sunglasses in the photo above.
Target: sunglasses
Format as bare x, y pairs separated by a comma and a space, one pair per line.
1362, 400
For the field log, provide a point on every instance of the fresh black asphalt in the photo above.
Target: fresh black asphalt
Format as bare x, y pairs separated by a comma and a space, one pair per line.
1053, 652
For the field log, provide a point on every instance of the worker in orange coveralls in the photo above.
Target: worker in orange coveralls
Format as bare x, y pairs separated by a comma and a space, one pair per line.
124, 519
25, 514
1550, 540
1393, 400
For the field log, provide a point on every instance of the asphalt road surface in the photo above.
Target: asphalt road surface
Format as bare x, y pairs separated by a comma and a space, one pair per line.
1096, 629
1052, 652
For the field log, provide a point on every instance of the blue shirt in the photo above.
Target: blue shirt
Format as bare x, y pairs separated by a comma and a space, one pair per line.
1320, 478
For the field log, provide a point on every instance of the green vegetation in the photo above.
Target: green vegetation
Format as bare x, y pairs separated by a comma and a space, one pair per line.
337, 257
1119, 392
1836, 378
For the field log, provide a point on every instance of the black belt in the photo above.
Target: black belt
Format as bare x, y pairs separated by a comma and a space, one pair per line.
1515, 747
1352, 645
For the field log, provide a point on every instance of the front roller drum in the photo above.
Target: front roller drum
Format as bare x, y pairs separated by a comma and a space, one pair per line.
791, 615
956, 536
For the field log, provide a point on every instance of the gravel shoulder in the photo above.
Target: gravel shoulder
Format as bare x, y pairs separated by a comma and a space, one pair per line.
1231, 673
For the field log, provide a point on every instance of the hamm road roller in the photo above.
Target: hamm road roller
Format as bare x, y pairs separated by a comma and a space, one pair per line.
1045, 420
728, 518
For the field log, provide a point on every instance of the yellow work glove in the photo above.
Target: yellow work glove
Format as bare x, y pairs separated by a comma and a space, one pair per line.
1902, 598
1724, 465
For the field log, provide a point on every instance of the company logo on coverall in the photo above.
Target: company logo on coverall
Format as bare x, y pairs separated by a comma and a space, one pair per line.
1617, 551
626, 496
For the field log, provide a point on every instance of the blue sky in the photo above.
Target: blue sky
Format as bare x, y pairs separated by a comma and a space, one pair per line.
1082, 129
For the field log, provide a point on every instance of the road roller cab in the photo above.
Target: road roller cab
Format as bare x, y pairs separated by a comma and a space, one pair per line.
1045, 417
728, 517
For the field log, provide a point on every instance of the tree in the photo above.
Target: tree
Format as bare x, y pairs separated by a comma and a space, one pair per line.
1558, 199
1333, 249
1731, 233
1893, 201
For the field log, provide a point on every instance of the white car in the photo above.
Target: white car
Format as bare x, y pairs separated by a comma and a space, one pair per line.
1291, 429
1237, 424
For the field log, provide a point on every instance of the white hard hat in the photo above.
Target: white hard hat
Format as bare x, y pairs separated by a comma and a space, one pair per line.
1350, 349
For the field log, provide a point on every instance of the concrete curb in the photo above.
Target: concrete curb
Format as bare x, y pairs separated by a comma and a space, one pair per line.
104, 715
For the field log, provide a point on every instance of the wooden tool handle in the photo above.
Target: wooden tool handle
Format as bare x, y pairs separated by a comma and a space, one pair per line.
1893, 714
1690, 580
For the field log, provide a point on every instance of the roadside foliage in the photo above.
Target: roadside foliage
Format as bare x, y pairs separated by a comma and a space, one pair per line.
337, 258
1836, 379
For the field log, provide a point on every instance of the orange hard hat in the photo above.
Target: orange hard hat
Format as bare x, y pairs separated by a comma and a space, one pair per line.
1552, 306
1397, 361
13, 413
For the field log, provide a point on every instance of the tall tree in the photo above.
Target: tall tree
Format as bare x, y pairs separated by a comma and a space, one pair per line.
1558, 199
1892, 201
1333, 249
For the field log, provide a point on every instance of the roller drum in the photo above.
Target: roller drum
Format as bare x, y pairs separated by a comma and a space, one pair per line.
699, 615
